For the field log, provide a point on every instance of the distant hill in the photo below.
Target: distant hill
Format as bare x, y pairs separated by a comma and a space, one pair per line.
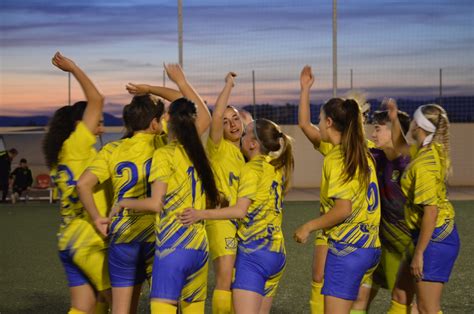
109, 120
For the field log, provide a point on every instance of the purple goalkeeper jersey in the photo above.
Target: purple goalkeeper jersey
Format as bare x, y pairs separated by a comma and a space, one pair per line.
394, 233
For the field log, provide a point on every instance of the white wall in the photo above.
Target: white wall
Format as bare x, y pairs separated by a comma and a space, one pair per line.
308, 161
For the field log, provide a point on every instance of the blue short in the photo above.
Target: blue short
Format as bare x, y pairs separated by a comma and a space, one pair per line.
130, 263
345, 267
259, 271
440, 254
180, 274
75, 276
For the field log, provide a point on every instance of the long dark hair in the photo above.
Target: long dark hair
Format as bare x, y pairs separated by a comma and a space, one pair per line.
347, 119
139, 113
182, 113
60, 127
269, 135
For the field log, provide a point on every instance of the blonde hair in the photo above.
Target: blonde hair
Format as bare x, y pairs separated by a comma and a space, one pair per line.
438, 116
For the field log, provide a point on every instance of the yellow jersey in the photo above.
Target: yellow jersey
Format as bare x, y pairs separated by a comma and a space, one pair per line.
127, 163
424, 183
263, 185
77, 153
361, 228
226, 161
172, 166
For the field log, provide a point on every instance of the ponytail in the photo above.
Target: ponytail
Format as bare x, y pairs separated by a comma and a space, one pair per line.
60, 127
347, 119
278, 145
182, 114
439, 118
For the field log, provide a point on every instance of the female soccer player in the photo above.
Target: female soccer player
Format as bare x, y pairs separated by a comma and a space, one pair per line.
350, 203
128, 163
182, 177
264, 180
428, 212
69, 148
223, 148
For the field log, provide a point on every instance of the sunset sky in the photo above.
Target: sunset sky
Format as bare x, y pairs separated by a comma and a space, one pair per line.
395, 48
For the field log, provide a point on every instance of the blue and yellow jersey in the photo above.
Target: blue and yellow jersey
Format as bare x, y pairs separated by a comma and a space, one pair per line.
226, 161
263, 185
75, 156
361, 228
172, 166
424, 184
127, 163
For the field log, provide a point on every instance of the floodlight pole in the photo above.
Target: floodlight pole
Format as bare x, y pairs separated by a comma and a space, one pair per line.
334, 48
180, 32
69, 87
253, 92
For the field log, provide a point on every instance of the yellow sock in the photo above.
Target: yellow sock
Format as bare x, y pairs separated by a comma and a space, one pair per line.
101, 308
317, 299
397, 308
192, 307
358, 312
440, 312
221, 302
75, 311
162, 308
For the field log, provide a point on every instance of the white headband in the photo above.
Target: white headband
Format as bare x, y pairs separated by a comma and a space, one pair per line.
425, 124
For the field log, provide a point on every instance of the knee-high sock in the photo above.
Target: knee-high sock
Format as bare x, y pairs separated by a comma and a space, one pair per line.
221, 302
397, 308
193, 307
75, 311
317, 299
358, 312
101, 308
162, 308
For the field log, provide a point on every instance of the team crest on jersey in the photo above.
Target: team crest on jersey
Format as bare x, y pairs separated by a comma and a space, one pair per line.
230, 243
395, 175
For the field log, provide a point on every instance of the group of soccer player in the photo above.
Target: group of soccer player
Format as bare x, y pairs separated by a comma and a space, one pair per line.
157, 205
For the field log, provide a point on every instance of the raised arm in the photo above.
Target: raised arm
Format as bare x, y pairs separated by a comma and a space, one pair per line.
217, 129
304, 112
164, 92
176, 74
399, 143
95, 100
85, 187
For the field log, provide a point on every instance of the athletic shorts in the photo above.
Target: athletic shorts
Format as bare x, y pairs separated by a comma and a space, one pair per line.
259, 271
222, 238
130, 263
440, 255
86, 266
179, 274
346, 266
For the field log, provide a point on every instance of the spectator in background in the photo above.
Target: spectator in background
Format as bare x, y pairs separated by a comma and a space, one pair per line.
22, 180
6, 158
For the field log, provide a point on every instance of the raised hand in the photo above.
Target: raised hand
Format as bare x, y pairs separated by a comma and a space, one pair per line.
392, 109
62, 62
230, 78
306, 77
138, 89
175, 73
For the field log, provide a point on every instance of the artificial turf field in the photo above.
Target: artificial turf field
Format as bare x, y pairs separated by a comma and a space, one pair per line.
32, 278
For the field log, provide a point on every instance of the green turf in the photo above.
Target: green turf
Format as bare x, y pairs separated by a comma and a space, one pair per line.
32, 278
